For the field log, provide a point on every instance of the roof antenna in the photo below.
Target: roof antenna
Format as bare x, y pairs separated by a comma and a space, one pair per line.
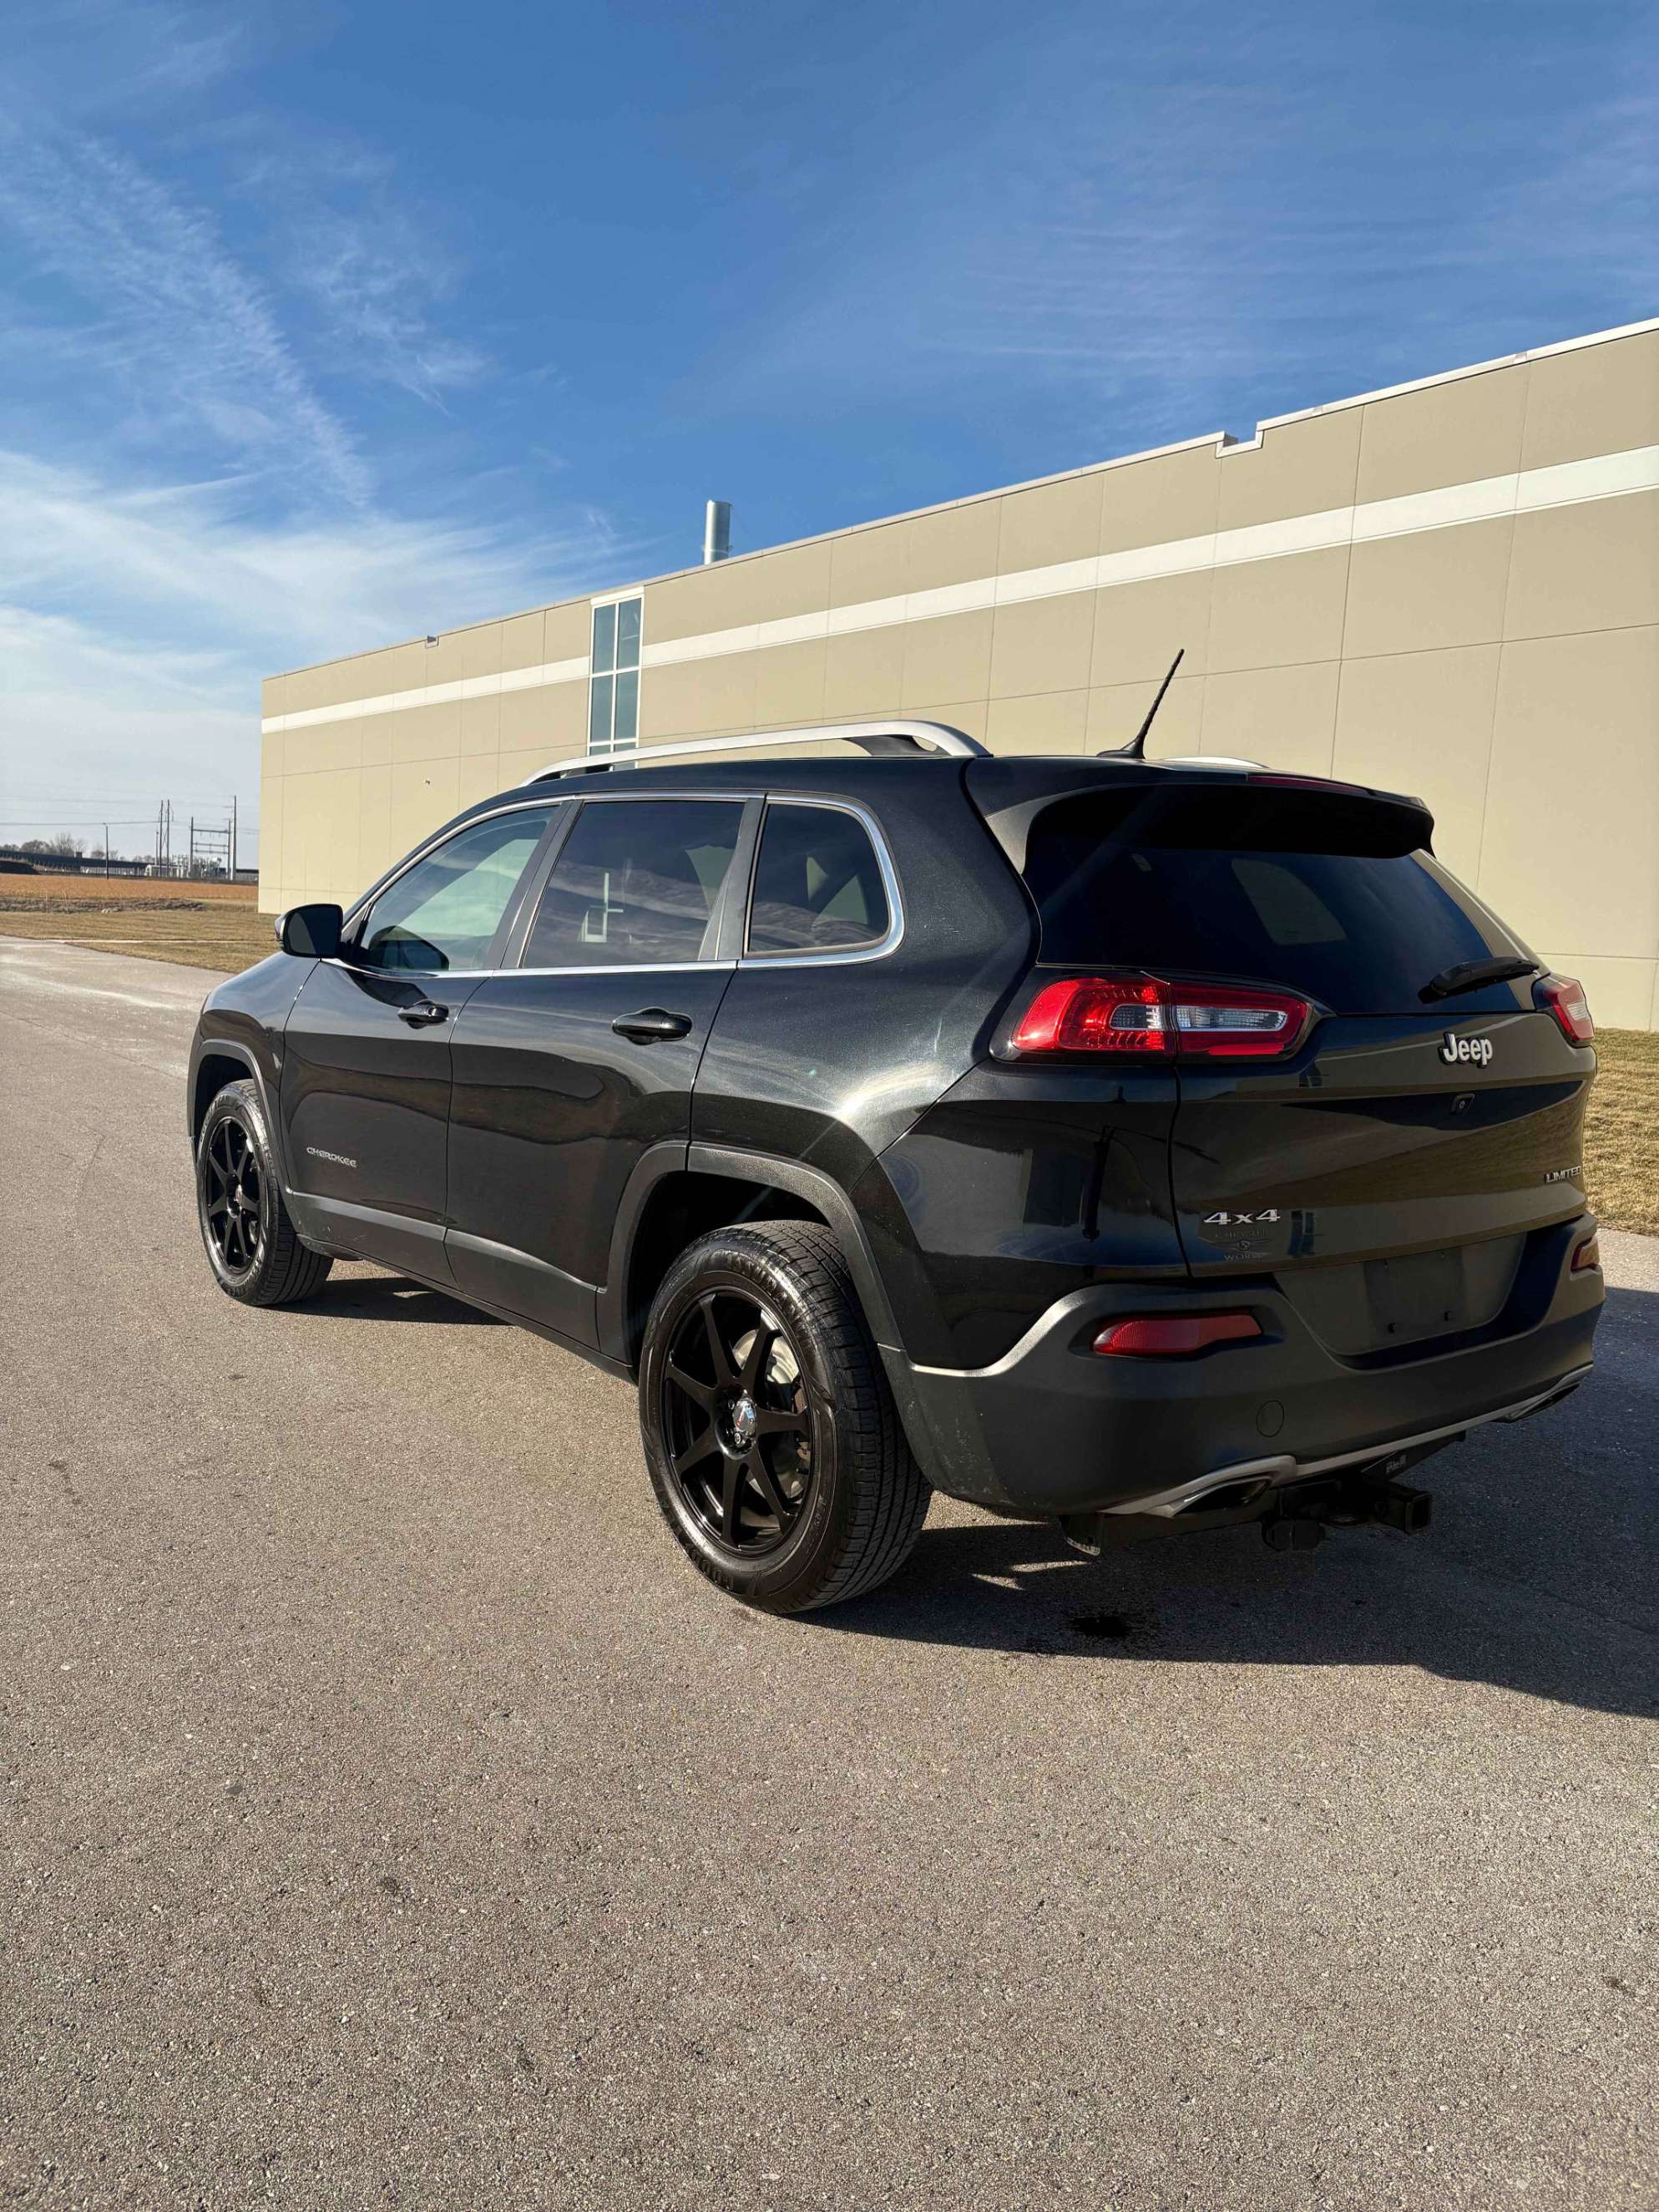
1136, 748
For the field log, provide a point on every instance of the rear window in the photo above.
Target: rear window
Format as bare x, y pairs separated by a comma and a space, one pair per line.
1300, 889
818, 884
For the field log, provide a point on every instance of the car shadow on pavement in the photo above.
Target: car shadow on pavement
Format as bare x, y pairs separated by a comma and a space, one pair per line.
1538, 1575
393, 1297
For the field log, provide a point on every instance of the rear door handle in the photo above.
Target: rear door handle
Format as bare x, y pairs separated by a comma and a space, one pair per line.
651, 1025
423, 1013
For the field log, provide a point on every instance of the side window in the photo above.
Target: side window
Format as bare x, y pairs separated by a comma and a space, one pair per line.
444, 911
636, 884
818, 884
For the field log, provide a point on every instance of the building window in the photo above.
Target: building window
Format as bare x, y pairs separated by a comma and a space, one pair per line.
613, 693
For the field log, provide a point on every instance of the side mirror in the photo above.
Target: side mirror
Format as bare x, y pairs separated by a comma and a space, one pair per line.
311, 932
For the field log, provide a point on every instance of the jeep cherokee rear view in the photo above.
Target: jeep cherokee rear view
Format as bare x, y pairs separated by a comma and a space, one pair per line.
1147, 1145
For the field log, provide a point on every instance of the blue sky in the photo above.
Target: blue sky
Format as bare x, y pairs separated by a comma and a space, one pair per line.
326, 325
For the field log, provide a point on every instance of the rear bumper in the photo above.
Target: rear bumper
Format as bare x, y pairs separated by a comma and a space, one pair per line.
1053, 1428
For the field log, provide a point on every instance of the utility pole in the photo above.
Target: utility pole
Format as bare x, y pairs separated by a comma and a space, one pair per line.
232, 840
106, 852
193, 844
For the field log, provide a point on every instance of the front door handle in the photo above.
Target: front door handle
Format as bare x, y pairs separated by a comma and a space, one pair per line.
651, 1025
423, 1013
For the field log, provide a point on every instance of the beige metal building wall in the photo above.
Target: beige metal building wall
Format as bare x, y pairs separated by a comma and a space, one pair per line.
1450, 588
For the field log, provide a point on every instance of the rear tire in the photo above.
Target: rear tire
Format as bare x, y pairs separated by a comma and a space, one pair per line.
251, 1244
774, 1446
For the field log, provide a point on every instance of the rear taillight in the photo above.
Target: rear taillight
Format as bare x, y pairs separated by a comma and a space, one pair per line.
1145, 1015
1175, 1336
1563, 998
1587, 1254
1094, 1013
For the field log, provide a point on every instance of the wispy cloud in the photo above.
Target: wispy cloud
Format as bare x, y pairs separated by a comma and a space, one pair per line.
1152, 211
83, 59
195, 337
201, 323
353, 241
136, 622
1593, 206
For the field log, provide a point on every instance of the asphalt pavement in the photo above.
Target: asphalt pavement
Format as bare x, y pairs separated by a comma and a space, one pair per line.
391, 1817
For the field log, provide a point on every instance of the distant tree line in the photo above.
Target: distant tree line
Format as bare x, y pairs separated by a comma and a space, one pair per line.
69, 848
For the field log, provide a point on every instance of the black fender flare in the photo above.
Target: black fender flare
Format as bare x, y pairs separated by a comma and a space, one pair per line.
766, 1170
736, 1164
214, 1047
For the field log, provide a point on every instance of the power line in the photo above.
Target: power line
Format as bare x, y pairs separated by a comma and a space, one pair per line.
85, 821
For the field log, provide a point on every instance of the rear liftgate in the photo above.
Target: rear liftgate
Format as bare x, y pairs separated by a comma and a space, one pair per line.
1380, 1100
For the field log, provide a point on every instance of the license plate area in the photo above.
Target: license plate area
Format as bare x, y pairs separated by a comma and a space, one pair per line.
1385, 1304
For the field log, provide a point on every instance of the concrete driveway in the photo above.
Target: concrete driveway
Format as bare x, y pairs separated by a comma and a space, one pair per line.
391, 1817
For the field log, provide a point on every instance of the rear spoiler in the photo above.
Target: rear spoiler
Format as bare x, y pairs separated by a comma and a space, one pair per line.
1201, 803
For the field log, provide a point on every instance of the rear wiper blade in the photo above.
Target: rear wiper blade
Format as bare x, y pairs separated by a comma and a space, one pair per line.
1472, 974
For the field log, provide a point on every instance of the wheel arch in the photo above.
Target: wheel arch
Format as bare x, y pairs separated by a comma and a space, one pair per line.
680, 1193
218, 1065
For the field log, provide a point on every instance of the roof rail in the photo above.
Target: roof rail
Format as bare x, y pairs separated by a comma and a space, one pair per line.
887, 739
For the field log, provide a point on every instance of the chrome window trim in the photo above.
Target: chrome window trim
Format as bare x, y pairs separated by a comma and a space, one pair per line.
877, 950
484, 975
607, 797
548, 804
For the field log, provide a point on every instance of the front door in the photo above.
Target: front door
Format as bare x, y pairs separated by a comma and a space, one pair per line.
366, 1063
570, 1065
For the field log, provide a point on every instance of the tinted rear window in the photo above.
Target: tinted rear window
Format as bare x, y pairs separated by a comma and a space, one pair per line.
1289, 890
818, 886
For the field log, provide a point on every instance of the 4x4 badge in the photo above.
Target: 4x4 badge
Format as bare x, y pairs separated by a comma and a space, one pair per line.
1456, 1048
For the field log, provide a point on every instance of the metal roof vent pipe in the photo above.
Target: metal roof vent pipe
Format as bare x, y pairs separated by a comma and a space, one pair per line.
716, 530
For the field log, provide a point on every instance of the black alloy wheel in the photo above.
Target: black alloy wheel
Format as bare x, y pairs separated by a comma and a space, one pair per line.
775, 1449
736, 1422
252, 1243
233, 1199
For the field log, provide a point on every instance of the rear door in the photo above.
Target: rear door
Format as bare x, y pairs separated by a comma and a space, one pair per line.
1420, 1140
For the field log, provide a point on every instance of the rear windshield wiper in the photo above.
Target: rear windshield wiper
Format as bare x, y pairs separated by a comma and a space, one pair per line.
1472, 974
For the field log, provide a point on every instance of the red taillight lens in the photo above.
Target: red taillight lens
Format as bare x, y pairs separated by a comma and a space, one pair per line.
1143, 1015
1587, 1254
1563, 998
1175, 1336
1094, 1013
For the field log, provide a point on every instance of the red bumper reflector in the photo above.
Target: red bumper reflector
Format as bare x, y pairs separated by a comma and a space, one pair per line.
1175, 1336
1587, 1256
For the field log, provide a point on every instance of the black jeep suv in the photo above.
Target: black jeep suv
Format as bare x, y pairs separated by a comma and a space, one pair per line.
1147, 1145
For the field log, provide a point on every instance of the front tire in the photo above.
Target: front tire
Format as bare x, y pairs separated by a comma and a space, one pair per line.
251, 1244
774, 1446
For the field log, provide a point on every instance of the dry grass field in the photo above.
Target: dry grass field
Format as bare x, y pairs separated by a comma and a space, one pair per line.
1621, 1130
140, 890
200, 925
213, 924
